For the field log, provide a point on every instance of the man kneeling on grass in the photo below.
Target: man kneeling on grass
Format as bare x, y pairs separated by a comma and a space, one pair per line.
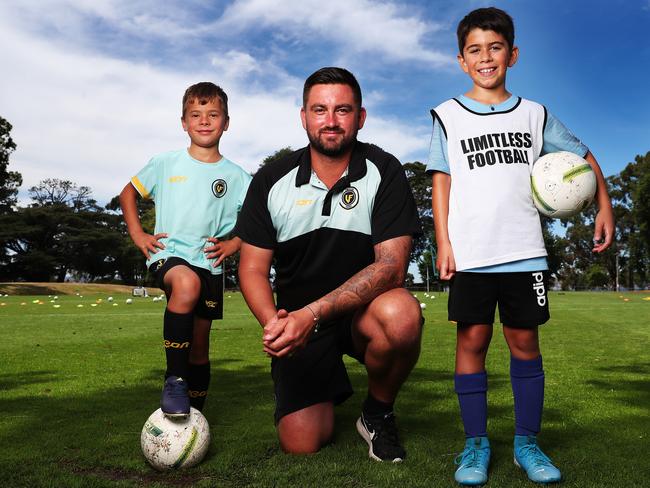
338, 217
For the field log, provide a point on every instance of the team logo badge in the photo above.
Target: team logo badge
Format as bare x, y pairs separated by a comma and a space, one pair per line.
349, 198
219, 188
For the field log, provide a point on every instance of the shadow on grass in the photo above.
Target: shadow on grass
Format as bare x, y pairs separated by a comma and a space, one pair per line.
26, 379
60, 439
92, 439
630, 383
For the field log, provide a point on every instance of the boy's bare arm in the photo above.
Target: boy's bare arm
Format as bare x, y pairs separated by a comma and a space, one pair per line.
145, 242
604, 225
221, 249
440, 186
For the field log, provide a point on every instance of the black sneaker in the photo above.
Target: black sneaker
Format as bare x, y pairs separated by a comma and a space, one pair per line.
174, 401
381, 435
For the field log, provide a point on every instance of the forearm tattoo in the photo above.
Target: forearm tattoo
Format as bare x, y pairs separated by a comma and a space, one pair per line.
387, 272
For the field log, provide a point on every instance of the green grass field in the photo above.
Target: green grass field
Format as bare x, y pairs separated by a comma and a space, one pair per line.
78, 383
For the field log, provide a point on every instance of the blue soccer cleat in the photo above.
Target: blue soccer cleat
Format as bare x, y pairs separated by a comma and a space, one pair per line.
530, 458
473, 462
175, 401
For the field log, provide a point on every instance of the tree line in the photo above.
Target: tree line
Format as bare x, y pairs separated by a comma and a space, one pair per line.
64, 234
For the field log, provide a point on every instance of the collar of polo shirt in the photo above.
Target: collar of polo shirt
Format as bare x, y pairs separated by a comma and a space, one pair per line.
356, 168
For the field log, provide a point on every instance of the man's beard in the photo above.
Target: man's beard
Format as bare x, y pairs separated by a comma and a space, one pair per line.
332, 151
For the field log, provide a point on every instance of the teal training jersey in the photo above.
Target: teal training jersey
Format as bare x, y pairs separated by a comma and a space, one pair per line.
194, 200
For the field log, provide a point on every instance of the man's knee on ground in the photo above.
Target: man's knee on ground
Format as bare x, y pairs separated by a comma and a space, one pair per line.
307, 430
299, 443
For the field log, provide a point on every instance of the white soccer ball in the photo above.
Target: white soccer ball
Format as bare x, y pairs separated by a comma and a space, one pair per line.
175, 444
109, 299
129, 301
563, 184
423, 306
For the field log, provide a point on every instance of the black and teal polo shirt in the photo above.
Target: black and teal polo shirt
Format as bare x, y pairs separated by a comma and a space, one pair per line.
321, 237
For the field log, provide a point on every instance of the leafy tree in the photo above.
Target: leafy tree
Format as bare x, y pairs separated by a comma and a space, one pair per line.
10, 181
279, 154
630, 193
426, 267
129, 261
597, 276
420, 184
62, 232
53, 191
641, 198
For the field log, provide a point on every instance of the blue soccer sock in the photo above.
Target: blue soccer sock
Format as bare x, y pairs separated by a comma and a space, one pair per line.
177, 334
472, 398
527, 378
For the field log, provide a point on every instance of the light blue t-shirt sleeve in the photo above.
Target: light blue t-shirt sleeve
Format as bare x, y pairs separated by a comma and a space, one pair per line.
146, 179
438, 159
558, 138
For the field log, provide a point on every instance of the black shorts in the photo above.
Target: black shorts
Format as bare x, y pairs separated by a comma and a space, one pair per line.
210, 303
316, 373
522, 298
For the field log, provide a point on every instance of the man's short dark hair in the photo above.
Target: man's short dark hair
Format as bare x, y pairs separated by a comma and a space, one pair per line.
205, 92
489, 18
332, 76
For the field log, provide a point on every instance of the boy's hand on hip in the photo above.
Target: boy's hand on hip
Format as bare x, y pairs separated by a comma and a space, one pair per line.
220, 250
148, 243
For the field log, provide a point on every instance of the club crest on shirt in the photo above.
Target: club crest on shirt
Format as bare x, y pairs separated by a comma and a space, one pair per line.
349, 198
219, 188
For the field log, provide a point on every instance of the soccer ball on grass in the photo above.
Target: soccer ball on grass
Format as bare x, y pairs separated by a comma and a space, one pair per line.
175, 444
563, 184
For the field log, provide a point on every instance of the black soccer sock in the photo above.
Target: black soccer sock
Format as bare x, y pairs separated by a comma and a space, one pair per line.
177, 334
198, 381
376, 408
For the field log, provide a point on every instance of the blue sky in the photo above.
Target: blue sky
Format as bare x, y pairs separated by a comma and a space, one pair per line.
93, 88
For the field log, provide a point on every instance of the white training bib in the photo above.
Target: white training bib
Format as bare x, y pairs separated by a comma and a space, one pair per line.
492, 219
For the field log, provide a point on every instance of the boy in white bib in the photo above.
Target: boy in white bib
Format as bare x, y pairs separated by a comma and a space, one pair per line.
489, 236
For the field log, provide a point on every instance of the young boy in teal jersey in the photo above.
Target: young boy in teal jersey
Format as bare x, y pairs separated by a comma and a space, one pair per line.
489, 236
197, 195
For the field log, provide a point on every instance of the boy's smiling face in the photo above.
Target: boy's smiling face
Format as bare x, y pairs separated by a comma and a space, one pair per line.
205, 122
486, 58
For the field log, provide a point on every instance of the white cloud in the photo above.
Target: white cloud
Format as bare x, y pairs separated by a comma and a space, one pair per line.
361, 26
393, 31
96, 120
89, 117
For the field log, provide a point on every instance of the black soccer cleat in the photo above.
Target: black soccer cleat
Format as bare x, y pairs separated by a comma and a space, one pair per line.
175, 401
381, 435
